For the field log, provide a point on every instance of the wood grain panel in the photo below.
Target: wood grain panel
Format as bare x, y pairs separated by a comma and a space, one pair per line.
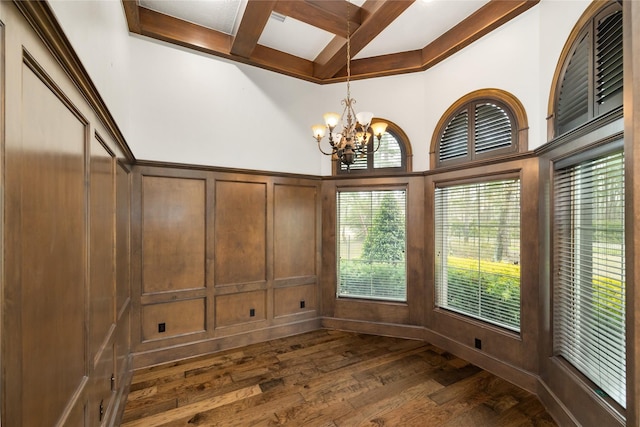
123, 220
173, 234
47, 169
240, 232
122, 347
179, 318
294, 231
289, 300
234, 309
101, 395
101, 244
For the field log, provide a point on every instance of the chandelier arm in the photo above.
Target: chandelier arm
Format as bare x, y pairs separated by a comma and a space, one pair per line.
324, 152
378, 146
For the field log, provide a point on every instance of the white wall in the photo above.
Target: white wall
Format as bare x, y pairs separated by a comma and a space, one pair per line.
192, 108
98, 32
186, 107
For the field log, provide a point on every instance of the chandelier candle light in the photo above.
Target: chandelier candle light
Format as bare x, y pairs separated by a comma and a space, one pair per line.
352, 141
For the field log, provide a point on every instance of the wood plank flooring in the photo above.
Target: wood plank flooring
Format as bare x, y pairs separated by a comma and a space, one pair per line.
328, 378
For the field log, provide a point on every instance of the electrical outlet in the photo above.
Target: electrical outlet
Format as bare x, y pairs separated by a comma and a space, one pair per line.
252, 312
478, 344
162, 327
302, 304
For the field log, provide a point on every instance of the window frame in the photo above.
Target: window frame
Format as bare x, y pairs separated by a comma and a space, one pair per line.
369, 189
497, 176
601, 149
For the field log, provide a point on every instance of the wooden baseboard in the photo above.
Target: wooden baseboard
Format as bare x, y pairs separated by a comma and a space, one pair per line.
554, 406
513, 374
374, 328
149, 358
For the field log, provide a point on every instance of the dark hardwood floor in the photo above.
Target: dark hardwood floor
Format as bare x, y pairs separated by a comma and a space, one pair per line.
329, 378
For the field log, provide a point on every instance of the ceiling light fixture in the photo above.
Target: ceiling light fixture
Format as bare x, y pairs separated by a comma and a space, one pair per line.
353, 140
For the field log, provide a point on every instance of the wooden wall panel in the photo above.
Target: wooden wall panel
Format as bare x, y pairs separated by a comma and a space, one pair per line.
295, 222
58, 231
288, 300
123, 253
122, 349
45, 177
100, 401
101, 244
241, 210
240, 232
179, 318
235, 309
173, 228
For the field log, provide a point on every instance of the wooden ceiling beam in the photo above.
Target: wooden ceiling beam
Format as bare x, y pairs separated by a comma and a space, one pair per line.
321, 14
275, 60
383, 65
254, 20
330, 65
376, 16
174, 30
484, 20
131, 13
179, 32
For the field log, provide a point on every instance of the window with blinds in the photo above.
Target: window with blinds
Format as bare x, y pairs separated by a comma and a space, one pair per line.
581, 97
391, 155
477, 240
372, 244
589, 269
480, 129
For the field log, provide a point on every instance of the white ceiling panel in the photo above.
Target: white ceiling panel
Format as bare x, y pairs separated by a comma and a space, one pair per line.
219, 15
294, 37
419, 25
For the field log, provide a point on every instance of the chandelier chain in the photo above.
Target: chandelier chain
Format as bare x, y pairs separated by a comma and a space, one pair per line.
352, 140
348, 52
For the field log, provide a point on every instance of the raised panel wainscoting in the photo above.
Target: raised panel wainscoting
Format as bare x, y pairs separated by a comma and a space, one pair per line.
226, 259
65, 238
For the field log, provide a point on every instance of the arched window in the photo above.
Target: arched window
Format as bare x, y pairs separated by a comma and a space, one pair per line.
477, 219
394, 154
588, 212
589, 74
484, 124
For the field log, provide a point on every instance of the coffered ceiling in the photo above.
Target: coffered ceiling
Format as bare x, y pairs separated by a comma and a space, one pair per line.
308, 38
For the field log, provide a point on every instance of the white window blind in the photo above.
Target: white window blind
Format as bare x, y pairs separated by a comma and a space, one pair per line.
477, 233
389, 155
371, 244
589, 271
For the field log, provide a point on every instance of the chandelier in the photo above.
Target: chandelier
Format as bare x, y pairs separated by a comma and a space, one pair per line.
351, 142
